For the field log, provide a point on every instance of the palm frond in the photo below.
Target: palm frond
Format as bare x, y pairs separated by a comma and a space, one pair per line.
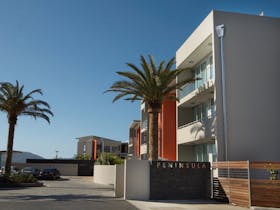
37, 103
15, 103
36, 115
29, 95
151, 83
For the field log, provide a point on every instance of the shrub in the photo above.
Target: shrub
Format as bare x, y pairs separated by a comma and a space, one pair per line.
109, 159
82, 157
22, 178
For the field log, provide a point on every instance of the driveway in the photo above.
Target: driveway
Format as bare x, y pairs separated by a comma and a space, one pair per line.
80, 193
69, 193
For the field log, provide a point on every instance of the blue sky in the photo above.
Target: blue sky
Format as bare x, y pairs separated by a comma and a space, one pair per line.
71, 50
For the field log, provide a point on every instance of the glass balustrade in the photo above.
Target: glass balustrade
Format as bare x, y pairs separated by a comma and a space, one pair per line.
186, 90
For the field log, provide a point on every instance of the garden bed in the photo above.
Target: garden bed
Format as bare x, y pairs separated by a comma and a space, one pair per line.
19, 180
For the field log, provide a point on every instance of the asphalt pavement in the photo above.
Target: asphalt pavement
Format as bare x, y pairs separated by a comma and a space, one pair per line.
69, 193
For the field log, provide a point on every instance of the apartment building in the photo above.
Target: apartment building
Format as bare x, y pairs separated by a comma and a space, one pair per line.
134, 140
231, 112
94, 145
167, 131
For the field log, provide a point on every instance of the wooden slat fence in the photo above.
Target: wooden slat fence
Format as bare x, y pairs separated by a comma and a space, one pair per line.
265, 192
238, 183
232, 182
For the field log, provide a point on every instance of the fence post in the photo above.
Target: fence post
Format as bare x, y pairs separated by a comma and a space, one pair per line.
228, 181
211, 182
249, 183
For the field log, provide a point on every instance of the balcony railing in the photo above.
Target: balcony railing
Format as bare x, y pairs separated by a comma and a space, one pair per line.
196, 130
186, 90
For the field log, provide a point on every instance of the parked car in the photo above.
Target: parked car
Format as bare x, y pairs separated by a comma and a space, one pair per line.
14, 170
31, 170
49, 173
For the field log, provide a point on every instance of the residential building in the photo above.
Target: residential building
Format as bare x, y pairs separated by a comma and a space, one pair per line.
134, 140
231, 112
94, 145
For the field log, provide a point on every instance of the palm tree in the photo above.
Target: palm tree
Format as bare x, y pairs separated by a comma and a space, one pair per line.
15, 103
152, 84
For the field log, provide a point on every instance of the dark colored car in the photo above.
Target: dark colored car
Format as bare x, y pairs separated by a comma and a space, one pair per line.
49, 173
31, 170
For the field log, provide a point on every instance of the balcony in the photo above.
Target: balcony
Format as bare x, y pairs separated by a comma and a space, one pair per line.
196, 131
189, 94
186, 90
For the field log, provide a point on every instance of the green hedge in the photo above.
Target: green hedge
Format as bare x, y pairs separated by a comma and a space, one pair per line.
109, 159
22, 178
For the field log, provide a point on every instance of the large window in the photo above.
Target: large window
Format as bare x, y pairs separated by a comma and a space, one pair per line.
115, 149
107, 148
204, 70
211, 67
202, 152
200, 112
205, 110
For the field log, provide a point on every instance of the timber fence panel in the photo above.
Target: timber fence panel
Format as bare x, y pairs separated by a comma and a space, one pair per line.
232, 182
265, 192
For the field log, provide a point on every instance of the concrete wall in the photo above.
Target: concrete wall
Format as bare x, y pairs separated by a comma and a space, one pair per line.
187, 49
137, 179
119, 181
252, 64
196, 131
84, 144
65, 169
104, 174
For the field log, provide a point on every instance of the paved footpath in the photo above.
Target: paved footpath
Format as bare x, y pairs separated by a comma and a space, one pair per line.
70, 193
183, 205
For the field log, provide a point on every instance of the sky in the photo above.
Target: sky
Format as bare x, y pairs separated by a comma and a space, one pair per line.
71, 50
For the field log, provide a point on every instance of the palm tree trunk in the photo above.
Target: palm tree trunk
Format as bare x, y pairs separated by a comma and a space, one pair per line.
9, 152
153, 131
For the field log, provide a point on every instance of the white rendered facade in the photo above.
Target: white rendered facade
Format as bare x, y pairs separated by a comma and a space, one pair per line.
251, 50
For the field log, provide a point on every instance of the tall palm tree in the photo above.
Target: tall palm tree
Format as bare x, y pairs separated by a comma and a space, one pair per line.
152, 84
15, 104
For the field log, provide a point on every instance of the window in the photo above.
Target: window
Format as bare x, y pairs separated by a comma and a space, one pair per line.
212, 107
116, 149
144, 138
198, 75
211, 67
84, 147
98, 147
200, 112
204, 71
107, 149
204, 111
